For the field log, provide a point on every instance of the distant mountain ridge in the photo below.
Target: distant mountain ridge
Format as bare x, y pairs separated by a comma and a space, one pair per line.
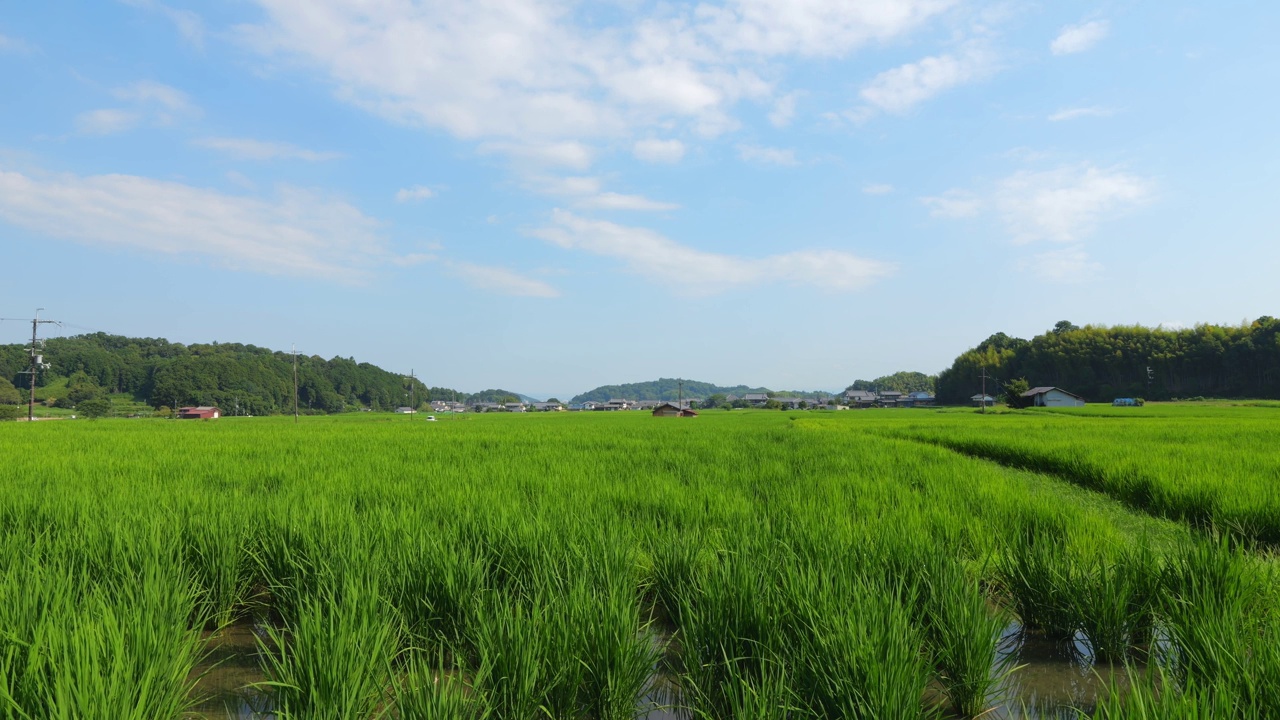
669, 389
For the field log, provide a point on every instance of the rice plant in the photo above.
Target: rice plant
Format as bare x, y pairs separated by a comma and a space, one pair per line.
335, 659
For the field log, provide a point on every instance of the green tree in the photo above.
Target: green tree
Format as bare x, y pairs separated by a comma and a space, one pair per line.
772, 404
1013, 393
95, 408
9, 394
1064, 326
9, 412
715, 400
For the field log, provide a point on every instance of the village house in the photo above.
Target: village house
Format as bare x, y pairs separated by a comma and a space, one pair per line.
756, 399
860, 398
513, 407
670, 410
981, 400
1053, 397
203, 412
917, 399
548, 407
614, 405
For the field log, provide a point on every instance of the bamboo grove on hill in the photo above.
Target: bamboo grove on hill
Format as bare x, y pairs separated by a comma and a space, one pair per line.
748, 564
1103, 363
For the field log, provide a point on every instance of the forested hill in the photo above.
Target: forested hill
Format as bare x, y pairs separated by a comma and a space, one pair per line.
663, 389
1103, 363
259, 380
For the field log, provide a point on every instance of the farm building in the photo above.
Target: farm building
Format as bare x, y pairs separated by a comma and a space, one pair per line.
1053, 397
405, 410
980, 400
199, 413
917, 399
670, 410
860, 398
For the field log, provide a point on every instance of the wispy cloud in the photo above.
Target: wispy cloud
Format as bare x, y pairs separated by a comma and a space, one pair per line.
1078, 38
877, 189
902, 88
416, 193
1066, 204
1081, 112
295, 232
1067, 265
658, 258
250, 149
188, 23
149, 103
14, 45
525, 69
784, 110
767, 155
659, 151
570, 154
619, 201
107, 121
587, 192
501, 280
953, 204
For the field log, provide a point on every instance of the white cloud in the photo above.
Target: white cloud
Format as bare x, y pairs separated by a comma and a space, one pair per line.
147, 92
767, 155
188, 23
107, 121
659, 151
618, 201
877, 189
1078, 38
658, 258
501, 280
151, 102
296, 232
784, 110
1067, 265
249, 149
568, 154
13, 45
813, 27
1080, 112
528, 70
414, 194
902, 88
587, 192
564, 186
953, 204
1065, 204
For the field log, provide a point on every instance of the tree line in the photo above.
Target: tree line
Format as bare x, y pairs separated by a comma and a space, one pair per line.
237, 378
1102, 363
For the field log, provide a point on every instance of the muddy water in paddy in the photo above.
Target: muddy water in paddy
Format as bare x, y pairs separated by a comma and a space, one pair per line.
1054, 681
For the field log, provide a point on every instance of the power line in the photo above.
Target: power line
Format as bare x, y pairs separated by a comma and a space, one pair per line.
37, 360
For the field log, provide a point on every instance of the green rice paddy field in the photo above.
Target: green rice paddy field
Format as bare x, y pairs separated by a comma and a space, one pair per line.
1107, 563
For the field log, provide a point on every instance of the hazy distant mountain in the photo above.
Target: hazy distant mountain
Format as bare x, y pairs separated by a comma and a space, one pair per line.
666, 389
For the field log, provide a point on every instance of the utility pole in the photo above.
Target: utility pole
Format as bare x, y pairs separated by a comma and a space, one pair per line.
984, 390
680, 396
37, 361
1150, 376
294, 352
413, 388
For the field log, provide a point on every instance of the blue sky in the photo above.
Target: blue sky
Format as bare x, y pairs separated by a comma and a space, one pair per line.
547, 196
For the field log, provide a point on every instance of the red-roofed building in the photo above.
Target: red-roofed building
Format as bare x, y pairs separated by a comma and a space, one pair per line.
199, 413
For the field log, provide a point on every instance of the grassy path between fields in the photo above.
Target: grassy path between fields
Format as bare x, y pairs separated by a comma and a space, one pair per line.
1134, 522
